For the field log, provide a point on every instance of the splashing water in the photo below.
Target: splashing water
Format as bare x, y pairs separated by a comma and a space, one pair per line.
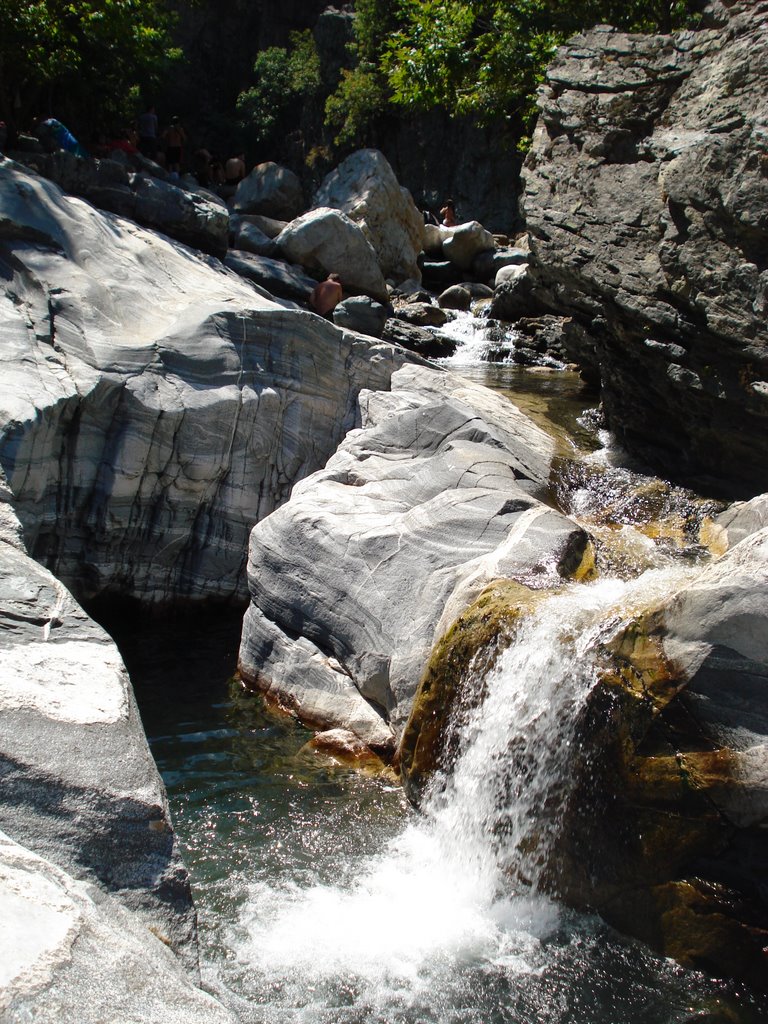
452, 902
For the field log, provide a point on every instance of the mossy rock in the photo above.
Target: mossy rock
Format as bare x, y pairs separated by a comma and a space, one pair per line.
447, 689
644, 842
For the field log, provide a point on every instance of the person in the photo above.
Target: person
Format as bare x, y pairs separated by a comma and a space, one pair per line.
201, 167
147, 125
234, 169
448, 213
326, 296
175, 137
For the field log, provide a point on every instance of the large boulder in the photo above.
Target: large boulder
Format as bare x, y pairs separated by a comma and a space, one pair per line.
149, 419
325, 241
645, 198
466, 242
359, 313
438, 486
80, 787
365, 188
277, 278
270, 190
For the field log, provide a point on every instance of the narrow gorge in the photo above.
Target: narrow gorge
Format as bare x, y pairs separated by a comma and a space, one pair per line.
544, 654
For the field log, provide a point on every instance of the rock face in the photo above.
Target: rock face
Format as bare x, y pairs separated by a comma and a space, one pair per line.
669, 841
410, 519
365, 188
86, 833
70, 953
196, 218
149, 418
646, 193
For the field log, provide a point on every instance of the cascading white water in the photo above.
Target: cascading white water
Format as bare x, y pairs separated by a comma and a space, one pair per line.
451, 901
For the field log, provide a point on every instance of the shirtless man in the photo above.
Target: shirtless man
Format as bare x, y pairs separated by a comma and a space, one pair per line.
326, 296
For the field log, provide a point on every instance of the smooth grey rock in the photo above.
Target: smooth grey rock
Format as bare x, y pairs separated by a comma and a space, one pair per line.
71, 953
79, 785
196, 218
645, 198
273, 275
360, 313
364, 186
743, 518
432, 488
246, 235
325, 241
270, 190
150, 416
465, 242
440, 273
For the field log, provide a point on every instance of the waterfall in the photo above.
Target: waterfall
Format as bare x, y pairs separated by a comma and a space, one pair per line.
453, 900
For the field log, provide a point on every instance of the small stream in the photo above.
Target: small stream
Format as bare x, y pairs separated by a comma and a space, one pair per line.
325, 899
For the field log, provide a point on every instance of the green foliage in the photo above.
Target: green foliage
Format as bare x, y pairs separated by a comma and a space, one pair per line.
483, 58
88, 53
281, 79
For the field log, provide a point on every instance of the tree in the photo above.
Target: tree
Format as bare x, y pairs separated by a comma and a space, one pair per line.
482, 58
282, 80
85, 59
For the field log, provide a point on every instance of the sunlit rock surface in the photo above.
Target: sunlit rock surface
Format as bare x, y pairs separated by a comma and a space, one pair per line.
434, 497
365, 188
154, 406
79, 785
646, 191
68, 952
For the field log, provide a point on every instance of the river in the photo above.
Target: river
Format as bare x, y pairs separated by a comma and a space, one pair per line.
325, 899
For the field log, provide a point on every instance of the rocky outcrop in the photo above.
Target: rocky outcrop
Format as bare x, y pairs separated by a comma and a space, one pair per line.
71, 953
365, 188
149, 418
646, 192
92, 887
197, 218
415, 513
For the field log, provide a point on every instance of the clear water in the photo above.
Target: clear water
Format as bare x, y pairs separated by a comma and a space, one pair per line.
324, 898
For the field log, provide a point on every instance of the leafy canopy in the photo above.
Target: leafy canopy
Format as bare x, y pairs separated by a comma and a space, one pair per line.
483, 58
56, 52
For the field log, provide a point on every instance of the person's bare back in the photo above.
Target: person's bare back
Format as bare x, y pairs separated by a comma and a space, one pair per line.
326, 296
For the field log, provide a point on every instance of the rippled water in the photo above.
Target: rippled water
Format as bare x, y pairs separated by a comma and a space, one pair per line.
324, 898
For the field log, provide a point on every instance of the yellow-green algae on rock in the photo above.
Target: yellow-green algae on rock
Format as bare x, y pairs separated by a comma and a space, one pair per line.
646, 842
448, 686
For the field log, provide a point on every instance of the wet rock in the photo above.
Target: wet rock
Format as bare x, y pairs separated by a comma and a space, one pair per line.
487, 264
458, 296
422, 314
436, 486
667, 836
416, 339
362, 314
